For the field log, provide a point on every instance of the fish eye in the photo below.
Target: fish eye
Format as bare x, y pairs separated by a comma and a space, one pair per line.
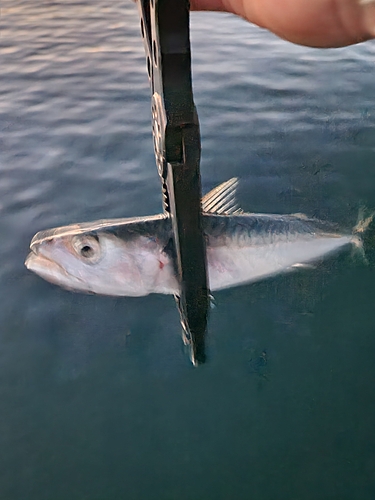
87, 247
87, 251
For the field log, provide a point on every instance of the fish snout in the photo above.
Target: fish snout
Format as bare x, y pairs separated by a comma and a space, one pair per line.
37, 245
38, 251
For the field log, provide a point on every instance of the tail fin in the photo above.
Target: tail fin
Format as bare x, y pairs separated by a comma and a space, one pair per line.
364, 235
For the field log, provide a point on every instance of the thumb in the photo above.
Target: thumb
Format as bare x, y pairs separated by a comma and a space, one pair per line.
317, 23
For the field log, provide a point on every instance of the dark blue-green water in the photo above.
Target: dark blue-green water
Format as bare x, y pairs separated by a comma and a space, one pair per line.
98, 400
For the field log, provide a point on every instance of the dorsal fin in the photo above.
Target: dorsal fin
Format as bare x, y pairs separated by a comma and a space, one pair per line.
222, 199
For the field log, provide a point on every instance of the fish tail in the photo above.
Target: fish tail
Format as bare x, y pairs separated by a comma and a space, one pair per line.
363, 238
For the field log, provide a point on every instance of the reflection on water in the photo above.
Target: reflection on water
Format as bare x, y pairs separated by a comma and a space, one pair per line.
98, 398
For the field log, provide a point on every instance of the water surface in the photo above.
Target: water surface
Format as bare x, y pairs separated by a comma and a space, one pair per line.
98, 399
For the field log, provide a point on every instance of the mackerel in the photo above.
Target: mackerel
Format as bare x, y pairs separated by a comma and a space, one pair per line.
136, 256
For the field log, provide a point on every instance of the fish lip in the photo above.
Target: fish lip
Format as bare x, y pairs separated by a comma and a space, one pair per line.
35, 257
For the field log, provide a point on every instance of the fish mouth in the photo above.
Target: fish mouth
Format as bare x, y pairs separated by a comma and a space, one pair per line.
34, 261
40, 264
51, 271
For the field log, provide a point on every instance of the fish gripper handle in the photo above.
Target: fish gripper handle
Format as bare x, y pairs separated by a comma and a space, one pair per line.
166, 32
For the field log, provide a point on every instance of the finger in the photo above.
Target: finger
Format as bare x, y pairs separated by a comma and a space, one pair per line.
317, 23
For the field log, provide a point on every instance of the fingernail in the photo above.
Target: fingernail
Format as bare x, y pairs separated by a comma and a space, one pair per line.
368, 9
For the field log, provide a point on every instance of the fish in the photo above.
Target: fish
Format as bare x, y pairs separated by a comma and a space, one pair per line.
136, 256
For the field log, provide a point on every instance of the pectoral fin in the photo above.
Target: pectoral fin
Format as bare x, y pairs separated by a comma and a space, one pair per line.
303, 265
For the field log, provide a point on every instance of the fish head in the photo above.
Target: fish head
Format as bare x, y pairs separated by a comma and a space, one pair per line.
98, 261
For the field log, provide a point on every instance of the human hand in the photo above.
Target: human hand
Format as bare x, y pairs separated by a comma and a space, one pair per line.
316, 23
